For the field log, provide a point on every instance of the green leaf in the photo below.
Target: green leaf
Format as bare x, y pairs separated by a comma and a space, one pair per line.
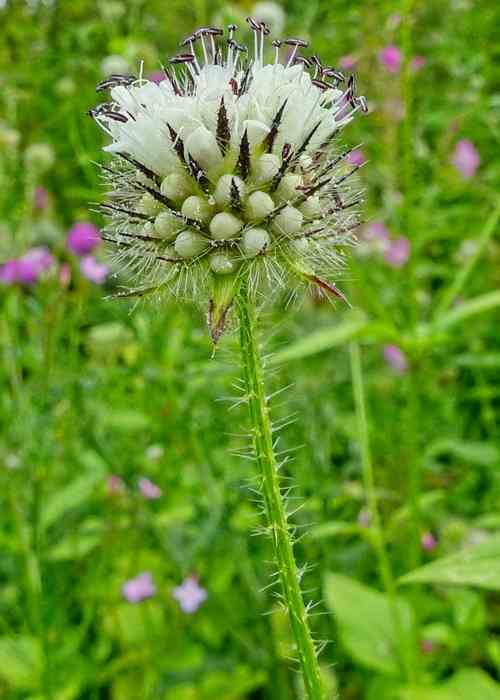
365, 622
69, 497
467, 684
481, 453
20, 661
330, 337
469, 309
78, 543
477, 566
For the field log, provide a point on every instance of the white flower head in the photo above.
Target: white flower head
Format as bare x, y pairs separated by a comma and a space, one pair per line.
227, 169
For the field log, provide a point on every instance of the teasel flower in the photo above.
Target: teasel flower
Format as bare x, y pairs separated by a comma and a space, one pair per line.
229, 170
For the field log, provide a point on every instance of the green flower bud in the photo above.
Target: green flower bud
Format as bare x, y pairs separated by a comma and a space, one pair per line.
197, 208
311, 208
287, 189
266, 167
224, 187
288, 221
254, 241
149, 205
177, 187
224, 226
223, 263
190, 244
167, 225
259, 205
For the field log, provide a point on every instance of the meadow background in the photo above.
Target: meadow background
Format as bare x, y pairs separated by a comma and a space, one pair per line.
117, 456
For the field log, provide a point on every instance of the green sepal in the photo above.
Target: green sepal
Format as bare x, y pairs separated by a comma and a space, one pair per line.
224, 289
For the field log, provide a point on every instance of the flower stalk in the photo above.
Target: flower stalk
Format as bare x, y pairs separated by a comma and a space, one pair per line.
262, 437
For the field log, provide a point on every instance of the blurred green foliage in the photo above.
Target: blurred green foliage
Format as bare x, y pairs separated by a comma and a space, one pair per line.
92, 389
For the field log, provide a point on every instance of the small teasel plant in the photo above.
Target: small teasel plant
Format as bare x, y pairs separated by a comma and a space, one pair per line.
226, 183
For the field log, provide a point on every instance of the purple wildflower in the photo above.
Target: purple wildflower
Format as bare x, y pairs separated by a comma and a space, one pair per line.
397, 252
94, 271
28, 268
364, 517
395, 358
428, 541
149, 490
83, 237
427, 646
356, 157
417, 63
466, 158
376, 230
8, 272
139, 588
390, 57
190, 595
115, 484
347, 62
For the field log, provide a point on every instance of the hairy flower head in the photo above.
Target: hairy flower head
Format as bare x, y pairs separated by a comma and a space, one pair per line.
227, 169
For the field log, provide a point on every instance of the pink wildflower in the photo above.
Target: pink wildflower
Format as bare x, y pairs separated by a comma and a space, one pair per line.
94, 271
148, 489
139, 588
398, 252
83, 237
347, 62
466, 158
390, 57
395, 358
428, 541
356, 157
190, 595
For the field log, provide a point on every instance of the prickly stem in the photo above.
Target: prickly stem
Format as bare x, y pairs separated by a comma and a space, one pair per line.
275, 507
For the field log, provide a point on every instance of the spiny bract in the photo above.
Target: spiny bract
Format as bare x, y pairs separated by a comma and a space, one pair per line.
226, 169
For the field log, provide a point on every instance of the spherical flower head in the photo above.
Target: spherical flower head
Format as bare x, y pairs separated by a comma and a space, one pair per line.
466, 158
190, 595
139, 588
229, 169
83, 237
390, 57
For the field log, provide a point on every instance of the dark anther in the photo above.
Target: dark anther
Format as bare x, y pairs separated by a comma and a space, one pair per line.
189, 40
315, 61
296, 42
215, 31
361, 100
182, 58
237, 47
264, 29
335, 74
254, 25
232, 27
286, 151
301, 59
321, 84
115, 116
115, 80
234, 86
276, 43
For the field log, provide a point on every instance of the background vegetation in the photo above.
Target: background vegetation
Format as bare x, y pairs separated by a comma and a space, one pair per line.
403, 387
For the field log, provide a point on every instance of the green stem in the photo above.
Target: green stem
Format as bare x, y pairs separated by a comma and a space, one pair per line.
385, 569
277, 517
